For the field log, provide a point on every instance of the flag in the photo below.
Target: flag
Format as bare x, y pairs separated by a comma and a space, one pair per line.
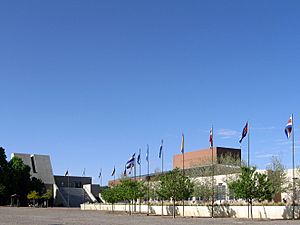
100, 174
130, 162
124, 172
67, 173
289, 127
182, 144
147, 154
83, 173
160, 149
245, 131
211, 137
113, 172
130, 169
139, 158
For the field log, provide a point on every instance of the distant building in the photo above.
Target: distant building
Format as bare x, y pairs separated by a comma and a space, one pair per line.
69, 191
198, 163
203, 157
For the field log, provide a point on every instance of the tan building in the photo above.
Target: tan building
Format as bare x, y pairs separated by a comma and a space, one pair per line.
204, 157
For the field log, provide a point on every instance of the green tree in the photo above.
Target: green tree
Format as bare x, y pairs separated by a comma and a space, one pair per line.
33, 196
203, 189
19, 179
3, 176
131, 190
174, 185
251, 185
277, 175
37, 185
112, 195
47, 196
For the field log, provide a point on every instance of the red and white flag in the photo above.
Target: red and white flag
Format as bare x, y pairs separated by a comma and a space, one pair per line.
211, 138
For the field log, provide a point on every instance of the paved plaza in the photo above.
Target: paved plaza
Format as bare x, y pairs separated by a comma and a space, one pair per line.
62, 216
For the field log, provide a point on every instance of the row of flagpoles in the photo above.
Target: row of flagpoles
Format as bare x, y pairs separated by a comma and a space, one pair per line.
131, 163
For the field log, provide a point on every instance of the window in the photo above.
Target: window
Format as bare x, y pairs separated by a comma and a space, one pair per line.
33, 164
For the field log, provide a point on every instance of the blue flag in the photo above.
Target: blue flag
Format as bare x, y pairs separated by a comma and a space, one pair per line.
147, 154
160, 149
139, 158
245, 131
182, 144
130, 162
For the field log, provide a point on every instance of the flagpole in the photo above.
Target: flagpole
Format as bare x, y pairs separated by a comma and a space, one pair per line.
134, 180
148, 170
248, 145
182, 172
293, 159
248, 163
134, 167
212, 176
101, 178
68, 189
140, 165
140, 173
162, 173
114, 176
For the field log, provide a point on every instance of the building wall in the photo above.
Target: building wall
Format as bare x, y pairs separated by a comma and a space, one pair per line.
203, 157
72, 181
40, 166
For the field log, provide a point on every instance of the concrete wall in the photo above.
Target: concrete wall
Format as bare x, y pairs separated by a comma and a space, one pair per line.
43, 167
72, 181
259, 212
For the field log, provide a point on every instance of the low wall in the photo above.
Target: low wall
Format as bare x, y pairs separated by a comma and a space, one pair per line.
259, 212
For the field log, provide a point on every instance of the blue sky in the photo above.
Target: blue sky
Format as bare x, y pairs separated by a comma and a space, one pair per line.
91, 82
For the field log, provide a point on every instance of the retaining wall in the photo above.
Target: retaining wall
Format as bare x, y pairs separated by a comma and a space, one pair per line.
259, 212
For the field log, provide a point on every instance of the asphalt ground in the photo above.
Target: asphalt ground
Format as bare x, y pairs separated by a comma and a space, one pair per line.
62, 216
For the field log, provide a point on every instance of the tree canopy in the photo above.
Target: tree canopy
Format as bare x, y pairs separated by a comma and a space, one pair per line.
251, 185
174, 185
15, 179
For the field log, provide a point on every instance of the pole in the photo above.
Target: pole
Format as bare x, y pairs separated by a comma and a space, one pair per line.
248, 163
248, 145
212, 177
134, 200
101, 178
183, 176
68, 190
114, 176
140, 173
148, 178
162, 172
293, 159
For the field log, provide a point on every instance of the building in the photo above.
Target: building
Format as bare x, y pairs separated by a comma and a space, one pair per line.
68, 191
203, 157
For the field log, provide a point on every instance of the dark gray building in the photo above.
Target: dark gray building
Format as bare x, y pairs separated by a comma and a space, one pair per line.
68, 191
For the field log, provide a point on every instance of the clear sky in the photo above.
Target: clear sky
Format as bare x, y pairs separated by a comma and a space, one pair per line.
91, 82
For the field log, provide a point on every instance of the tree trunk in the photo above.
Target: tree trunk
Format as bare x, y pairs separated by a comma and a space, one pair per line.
251, 209
173, 208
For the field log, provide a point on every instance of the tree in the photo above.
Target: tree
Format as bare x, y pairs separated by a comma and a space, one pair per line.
251, 185
278, 176
33, 196
47, 196
18, 179
131, 190
174, 185
15, 179
203, 189
113, 195
3, 176
37, 185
